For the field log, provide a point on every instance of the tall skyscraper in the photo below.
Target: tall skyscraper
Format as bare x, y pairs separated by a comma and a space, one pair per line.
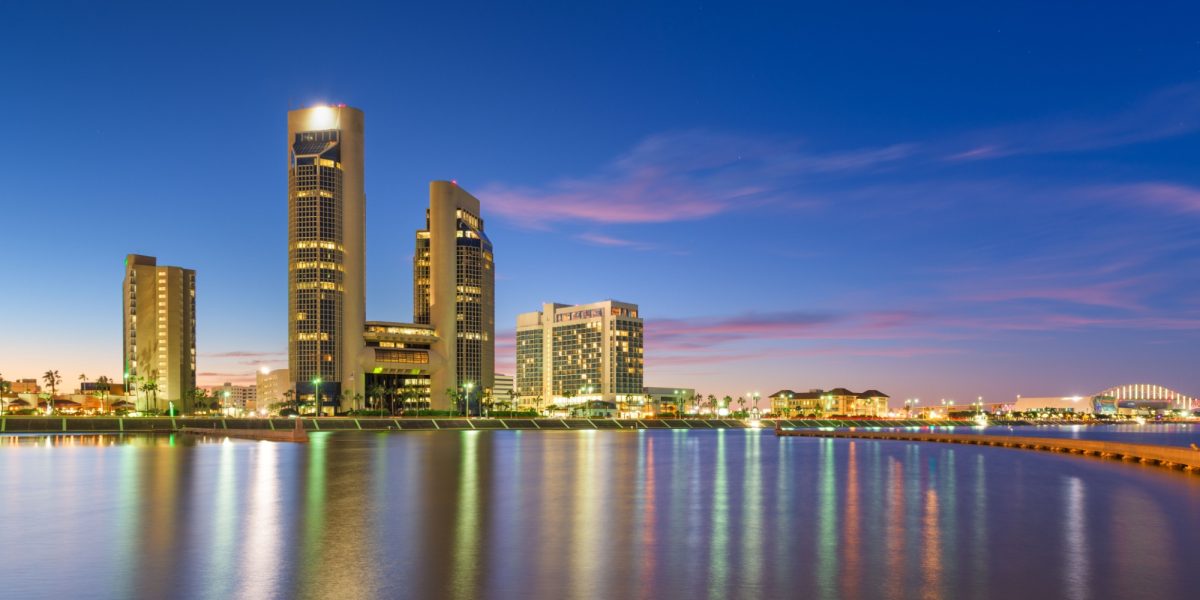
159, 338
569, 354
326, 251
454, 282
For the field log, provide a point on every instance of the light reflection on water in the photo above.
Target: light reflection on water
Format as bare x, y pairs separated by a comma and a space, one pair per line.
651, 514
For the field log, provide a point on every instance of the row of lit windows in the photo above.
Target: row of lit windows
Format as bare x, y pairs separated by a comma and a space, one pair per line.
324, 285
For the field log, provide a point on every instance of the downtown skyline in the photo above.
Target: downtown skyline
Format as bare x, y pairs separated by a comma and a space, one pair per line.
815, 224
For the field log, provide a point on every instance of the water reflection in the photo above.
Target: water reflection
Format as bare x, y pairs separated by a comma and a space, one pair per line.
650, 514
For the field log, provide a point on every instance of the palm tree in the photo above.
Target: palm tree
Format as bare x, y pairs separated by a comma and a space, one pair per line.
132, 383
377, 392
741, 404
454, 397
3, 390
287, 398
712, 403
102, 384
568, 395
199, 398
151, 386
52, 379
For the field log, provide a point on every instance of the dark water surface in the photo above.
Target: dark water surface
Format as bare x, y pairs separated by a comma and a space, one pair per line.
585, 514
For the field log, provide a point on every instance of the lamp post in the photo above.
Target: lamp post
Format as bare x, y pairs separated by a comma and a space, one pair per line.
468, 386
316, 396
225, 405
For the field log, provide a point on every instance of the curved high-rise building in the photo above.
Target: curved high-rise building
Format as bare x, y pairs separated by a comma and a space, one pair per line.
454, 287
326, 251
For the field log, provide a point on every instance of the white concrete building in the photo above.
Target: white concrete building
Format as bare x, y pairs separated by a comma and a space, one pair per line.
572, 354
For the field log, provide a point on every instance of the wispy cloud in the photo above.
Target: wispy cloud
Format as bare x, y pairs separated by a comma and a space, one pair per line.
1167, 113
597, 239
682, 176
1167, 196
1126, 294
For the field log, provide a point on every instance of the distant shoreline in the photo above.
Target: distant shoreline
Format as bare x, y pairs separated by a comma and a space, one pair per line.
68, 424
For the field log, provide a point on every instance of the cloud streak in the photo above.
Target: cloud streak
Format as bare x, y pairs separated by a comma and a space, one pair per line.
1164, 114
597, 239
682, 176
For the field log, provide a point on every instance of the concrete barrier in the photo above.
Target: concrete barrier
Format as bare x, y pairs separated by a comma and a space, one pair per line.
295, 434
1173, 457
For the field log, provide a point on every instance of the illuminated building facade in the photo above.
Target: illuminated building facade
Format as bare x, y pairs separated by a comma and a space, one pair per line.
571, 354
398, 364
159, 340
454, 282
271, 387
326, 251
838, 401
1130, 399
236, 399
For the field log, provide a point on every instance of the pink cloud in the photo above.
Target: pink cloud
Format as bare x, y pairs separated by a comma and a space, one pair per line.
1123, 294
604, 240
729, 356
1155, 194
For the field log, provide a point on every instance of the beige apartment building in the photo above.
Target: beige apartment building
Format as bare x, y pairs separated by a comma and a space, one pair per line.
572, 354
326, 251
272, 387
159, 340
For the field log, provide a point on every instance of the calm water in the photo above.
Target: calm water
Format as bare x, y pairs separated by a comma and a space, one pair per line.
652, 514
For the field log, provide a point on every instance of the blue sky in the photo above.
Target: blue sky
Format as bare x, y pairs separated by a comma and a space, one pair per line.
940, 201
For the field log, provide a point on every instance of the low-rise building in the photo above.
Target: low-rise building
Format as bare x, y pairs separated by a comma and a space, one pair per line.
25, 386
1130, 399
835, 402
667, 400
502, 389
235, 398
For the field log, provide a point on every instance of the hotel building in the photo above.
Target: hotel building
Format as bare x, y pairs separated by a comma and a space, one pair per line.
838, 401
454, 282
326, 251
571, 354
159, 340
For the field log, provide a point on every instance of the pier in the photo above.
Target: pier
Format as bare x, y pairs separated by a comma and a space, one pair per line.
1172, 457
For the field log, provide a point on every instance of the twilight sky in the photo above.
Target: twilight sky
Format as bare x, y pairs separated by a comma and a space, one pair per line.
935, 201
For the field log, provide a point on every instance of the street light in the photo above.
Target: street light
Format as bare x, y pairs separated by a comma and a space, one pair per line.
316, 396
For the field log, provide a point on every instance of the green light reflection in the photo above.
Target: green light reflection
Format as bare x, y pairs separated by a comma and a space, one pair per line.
466, 521
718, 575
827, 542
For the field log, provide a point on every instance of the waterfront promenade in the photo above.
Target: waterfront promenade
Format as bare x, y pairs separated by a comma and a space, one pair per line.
213, 426
1173, 457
